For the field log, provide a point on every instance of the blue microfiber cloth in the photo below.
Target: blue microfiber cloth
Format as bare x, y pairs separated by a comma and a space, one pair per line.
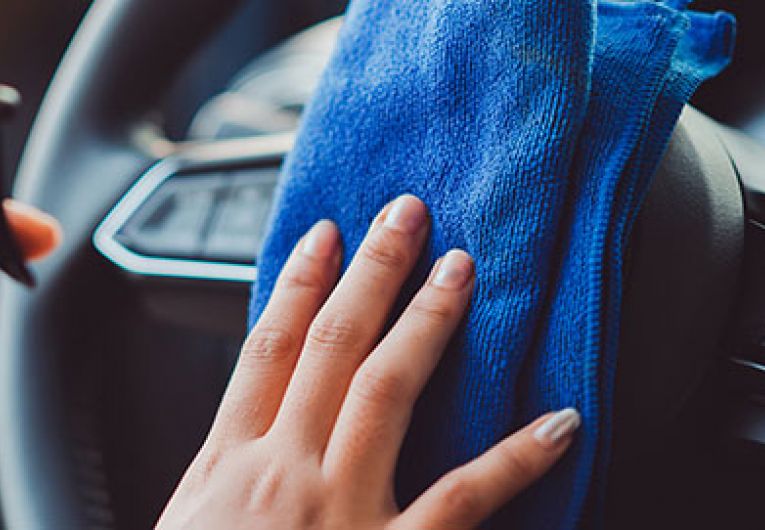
531, 129
648, 60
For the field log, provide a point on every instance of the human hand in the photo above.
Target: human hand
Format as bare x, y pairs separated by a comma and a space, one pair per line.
310, 427
36, 233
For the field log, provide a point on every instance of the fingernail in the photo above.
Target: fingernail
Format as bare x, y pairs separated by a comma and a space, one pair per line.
30, 211
558, 428
455, 270
408, 213
321, 240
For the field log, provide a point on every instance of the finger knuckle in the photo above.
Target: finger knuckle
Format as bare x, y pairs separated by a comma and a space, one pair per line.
303, 279
269, 344
381, 388
266, 487
434, 311
332, 336
516, 463
387, 248
205, 464
460, 496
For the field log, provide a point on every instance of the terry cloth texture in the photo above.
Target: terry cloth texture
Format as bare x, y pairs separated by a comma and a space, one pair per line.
531, 129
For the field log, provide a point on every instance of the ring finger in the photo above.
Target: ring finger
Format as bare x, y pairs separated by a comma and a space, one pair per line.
350, 323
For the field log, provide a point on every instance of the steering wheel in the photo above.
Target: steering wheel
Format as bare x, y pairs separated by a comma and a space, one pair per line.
79, 160
73, 455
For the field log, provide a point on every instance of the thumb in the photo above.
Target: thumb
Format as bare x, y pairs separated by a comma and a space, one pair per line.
469, 494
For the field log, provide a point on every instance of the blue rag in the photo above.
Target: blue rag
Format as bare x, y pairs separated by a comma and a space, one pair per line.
531, 129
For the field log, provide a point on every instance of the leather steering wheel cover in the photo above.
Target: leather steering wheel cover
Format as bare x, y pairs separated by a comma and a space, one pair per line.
685, 263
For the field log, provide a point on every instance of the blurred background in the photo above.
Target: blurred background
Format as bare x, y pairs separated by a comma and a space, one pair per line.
34, 35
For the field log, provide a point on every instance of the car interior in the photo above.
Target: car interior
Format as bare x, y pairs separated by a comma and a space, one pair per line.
158, 145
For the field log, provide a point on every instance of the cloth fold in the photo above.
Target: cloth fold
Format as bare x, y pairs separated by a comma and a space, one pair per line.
531, 129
